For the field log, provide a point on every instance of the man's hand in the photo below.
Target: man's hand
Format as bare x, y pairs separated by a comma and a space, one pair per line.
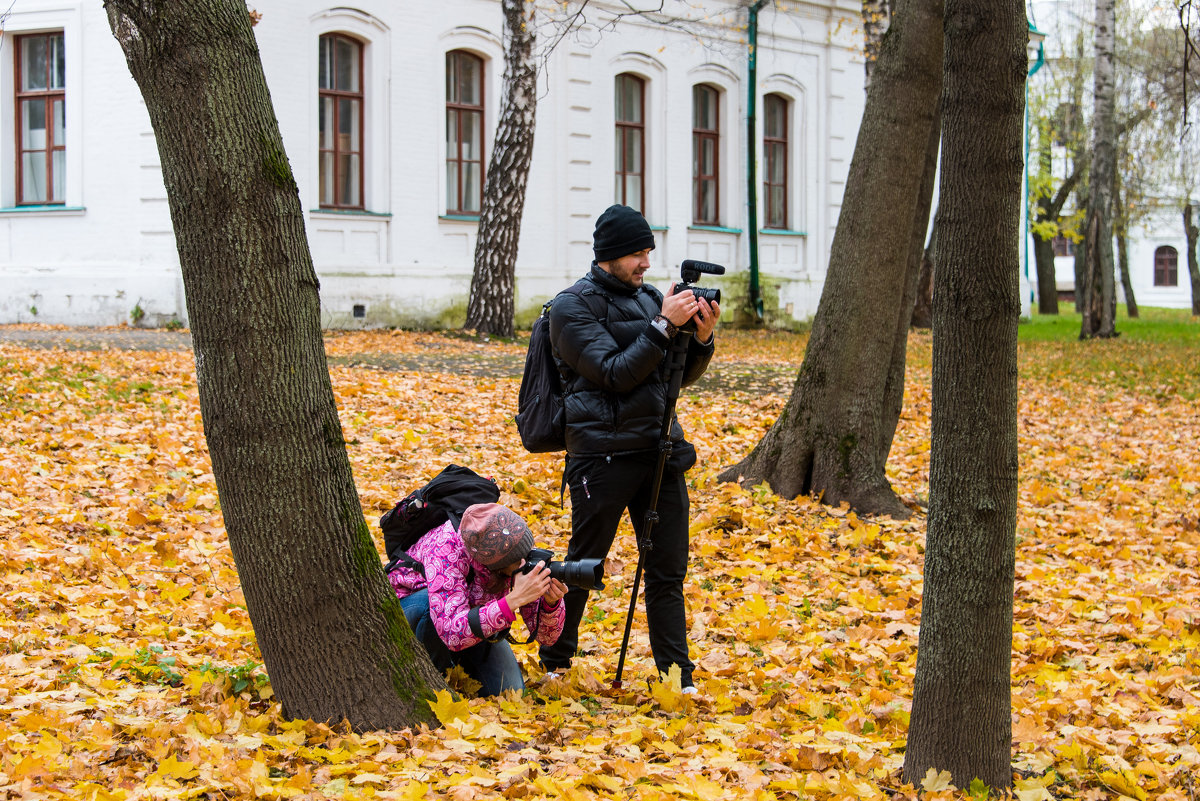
706, 319
678, 307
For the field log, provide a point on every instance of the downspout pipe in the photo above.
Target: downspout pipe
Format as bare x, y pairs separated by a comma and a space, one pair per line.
1035, 36
752, 160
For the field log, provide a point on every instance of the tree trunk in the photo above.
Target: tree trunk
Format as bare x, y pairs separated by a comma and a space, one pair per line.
922, 316
962, 705
1099, 290
1048, 211
329, 627
1193, 233
1047, 279
1120, 228
490, 308
1131, 307
832, 437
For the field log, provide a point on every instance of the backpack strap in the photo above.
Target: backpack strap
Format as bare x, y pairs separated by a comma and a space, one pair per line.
402, 559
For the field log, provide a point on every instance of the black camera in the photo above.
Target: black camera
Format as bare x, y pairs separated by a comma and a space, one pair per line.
690, 272
587, 574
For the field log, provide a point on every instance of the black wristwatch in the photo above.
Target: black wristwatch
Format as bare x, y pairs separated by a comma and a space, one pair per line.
666, 326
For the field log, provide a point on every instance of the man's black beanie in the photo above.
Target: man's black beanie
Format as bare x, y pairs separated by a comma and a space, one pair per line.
620, 231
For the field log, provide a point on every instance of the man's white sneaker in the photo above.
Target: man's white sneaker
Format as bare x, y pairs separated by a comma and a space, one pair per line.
690, 690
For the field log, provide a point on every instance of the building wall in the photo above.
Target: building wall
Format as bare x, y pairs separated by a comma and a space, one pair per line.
405, 262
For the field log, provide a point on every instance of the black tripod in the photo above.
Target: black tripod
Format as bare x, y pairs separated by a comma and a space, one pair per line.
677, 357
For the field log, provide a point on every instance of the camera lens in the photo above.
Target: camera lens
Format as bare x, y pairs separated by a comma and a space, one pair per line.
587, 574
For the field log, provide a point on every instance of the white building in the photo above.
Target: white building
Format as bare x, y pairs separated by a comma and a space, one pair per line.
391, 198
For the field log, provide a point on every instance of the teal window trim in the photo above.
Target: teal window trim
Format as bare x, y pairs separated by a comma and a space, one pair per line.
350, 213
459, 217
781, 232
663, 228
716, 229
48, 208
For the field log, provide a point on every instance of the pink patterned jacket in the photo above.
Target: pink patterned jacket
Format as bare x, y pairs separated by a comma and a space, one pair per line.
451, 597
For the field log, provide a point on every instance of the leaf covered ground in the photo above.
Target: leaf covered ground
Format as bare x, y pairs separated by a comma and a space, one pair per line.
130, 669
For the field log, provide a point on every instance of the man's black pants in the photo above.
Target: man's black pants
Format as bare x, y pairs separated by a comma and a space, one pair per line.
602, 488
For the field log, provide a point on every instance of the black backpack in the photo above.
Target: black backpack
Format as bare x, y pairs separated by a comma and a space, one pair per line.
541, 419
445, 497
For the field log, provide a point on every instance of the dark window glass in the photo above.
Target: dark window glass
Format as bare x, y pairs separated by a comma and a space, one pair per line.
1166, 266
340, 122
706, 137
41, 119
630, 176
464, 132
775, 153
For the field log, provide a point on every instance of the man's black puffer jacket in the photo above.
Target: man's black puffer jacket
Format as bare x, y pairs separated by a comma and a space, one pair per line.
614, 370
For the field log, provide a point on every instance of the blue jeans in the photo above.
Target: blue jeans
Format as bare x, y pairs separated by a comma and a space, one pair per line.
492, 664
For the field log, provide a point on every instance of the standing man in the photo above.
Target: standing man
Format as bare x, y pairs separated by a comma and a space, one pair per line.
611, 341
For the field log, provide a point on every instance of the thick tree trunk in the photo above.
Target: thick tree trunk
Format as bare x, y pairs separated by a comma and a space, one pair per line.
490, 308
832, 436
1100, 290
962, 705
1192, 232
329, 627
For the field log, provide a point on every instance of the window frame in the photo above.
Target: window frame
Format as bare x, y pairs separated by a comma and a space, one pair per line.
623, 129
1166, 274
462, 110
339, 203
49, 97
771, 146
700, 136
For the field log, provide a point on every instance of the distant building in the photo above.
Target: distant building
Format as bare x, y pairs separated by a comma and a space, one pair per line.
387, 111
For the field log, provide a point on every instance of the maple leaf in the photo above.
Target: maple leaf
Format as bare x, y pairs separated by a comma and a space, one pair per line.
449, 707
936, 781
173, 768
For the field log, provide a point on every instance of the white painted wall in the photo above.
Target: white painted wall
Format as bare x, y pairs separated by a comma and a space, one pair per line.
111, 248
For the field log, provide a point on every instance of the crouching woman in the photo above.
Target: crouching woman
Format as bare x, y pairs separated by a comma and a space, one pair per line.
462, 589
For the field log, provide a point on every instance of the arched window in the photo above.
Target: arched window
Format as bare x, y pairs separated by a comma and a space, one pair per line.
340, 119
1166, 266
706, 162
775, 154
630, 155
41, 114
464, 132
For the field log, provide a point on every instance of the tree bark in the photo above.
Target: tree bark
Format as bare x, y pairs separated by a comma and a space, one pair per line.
330, 629
832, 437
961, 710
1049, 209
922, 316
1193, 233
490, 307
1099, 287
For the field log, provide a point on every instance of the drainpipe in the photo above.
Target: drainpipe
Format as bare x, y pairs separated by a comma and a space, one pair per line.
1036, 37
751, 179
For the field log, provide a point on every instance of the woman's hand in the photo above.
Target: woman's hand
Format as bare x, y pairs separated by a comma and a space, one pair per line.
555, 593
528, 587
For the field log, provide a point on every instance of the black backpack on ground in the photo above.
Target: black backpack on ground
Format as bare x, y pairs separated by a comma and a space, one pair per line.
541, 419
445, 497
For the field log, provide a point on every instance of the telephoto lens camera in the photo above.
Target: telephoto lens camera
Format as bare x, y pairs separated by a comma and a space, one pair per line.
690, 272
587, 574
